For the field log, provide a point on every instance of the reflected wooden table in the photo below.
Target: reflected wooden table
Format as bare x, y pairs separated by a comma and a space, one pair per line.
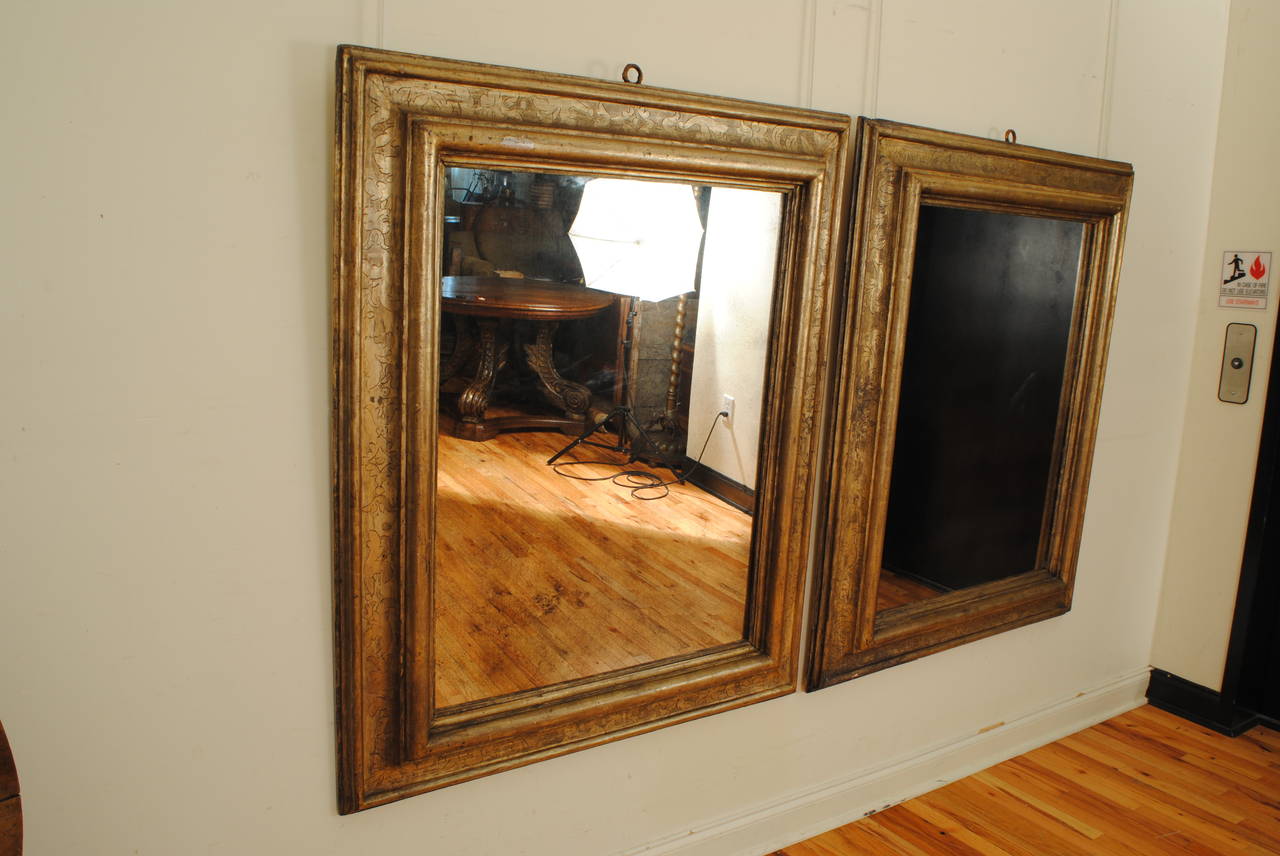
490, 304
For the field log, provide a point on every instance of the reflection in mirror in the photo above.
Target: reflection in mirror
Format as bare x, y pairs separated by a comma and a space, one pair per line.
632, 548
488, 611
980, 403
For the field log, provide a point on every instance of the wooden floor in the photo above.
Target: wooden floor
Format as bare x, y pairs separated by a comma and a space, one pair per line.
896, 590
1142, 783
542, 579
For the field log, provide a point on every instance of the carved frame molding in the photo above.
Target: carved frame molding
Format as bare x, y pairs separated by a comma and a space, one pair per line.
400, 119
899, 166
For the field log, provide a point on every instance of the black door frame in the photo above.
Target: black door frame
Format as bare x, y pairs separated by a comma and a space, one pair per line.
1235, 709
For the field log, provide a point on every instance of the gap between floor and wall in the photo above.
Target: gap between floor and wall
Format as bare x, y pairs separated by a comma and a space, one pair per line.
810, 811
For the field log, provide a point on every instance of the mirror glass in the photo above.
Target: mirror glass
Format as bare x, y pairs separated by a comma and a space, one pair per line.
634, 547
978, 429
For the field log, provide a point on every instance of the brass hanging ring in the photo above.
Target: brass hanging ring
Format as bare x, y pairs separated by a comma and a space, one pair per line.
626, 72
1011, 136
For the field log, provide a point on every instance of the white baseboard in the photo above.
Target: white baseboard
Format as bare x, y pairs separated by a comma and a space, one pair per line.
803, 814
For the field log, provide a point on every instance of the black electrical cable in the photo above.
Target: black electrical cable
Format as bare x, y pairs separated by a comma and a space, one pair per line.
638, 480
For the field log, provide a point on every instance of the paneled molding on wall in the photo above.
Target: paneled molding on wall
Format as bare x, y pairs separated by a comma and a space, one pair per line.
979, 68
836, 82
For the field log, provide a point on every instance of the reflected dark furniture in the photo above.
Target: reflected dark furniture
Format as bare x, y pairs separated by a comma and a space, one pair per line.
992, 296
484, 309
10, 802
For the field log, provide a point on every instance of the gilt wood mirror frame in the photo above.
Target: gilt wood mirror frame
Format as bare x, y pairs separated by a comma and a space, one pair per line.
402, 121
905, 568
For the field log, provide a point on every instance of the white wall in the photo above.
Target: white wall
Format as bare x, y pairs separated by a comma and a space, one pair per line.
739, 260
1220, 447
166, 681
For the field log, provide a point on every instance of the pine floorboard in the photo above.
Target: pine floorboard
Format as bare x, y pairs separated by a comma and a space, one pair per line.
897, 590
1145, 783
542, 579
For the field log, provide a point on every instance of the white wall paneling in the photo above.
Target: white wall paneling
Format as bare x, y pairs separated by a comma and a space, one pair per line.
166, 615
1220, 442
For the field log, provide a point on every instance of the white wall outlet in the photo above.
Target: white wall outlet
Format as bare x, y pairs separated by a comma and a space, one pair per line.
726, 406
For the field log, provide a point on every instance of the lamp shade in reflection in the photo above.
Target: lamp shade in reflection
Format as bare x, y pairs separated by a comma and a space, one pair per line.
638, 238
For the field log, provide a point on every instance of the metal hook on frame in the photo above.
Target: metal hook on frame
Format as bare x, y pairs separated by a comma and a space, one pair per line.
626, 71
1011, 136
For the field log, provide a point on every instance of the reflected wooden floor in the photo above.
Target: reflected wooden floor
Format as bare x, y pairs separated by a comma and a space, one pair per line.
1143, 783
896, 590
542, 579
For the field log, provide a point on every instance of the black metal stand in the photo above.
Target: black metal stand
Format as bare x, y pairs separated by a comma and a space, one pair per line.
623, 413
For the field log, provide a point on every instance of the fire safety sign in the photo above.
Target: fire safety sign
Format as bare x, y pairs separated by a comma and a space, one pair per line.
1244, 279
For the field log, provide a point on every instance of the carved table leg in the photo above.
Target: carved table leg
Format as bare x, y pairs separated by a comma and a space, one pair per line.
474, 400
463, 345
573, 398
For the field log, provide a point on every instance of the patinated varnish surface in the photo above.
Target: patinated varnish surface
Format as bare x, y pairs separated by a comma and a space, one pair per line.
399, 119
901, 167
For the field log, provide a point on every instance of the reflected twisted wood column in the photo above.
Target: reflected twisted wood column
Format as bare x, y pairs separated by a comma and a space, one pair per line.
493, 303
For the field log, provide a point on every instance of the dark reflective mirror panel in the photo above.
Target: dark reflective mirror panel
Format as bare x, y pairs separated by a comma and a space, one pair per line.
992, 296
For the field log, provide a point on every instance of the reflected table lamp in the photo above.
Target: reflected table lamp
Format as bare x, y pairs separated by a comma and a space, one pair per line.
639, 239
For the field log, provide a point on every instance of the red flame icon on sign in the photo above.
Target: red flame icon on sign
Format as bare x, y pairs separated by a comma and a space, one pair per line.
1257, 270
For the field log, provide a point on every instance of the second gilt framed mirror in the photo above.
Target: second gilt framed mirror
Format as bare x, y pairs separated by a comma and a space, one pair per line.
490, 611
983, 277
